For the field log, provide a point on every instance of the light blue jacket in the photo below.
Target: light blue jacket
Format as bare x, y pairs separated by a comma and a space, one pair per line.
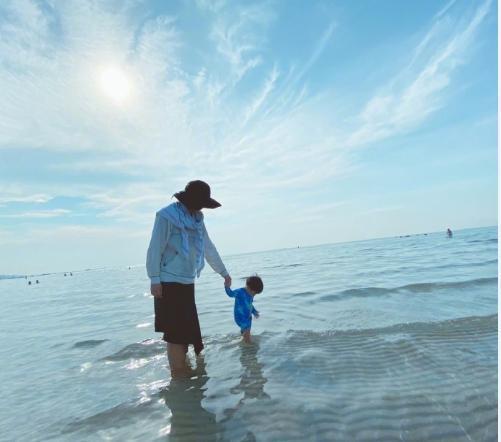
165, 261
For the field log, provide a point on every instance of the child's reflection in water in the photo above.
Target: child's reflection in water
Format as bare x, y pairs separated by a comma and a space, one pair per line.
189, 420
252, 380
252, 386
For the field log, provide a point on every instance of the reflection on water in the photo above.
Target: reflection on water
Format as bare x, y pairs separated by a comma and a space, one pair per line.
252, 380
183, 396
237, 421
191, 421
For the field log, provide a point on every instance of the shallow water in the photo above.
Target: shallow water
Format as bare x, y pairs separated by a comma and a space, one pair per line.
390, 339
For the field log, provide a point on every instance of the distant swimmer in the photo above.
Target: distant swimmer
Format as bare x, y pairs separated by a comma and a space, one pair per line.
29, 282
65, 274
71, 274
37, 281
449, 233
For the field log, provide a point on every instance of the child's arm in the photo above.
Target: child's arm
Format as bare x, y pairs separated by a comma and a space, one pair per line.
229, 292
255, 312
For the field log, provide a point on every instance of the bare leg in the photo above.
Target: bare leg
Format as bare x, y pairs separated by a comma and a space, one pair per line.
177, 359
247, 337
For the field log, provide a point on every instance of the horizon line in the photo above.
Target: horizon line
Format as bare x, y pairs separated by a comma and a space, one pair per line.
26, 275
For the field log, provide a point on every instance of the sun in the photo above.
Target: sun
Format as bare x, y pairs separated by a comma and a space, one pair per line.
115, 84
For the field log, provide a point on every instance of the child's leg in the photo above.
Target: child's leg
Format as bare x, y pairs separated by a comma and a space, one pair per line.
247, 336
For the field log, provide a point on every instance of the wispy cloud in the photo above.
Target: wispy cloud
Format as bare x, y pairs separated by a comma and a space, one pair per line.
405, 103
262, 96
35, 198
229, 110
166, 113
445, 9
52, 213
317, 52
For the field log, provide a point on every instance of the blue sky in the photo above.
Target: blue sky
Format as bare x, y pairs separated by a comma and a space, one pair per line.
314, 122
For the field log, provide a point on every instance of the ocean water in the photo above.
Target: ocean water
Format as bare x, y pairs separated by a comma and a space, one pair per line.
388, 339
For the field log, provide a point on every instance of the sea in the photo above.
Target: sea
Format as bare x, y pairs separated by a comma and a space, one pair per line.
389, 339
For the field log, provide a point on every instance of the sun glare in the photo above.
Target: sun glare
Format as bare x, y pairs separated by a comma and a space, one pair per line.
115, 84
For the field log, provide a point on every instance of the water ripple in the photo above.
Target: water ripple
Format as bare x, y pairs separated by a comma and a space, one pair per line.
426, 287
89, 343
138, 350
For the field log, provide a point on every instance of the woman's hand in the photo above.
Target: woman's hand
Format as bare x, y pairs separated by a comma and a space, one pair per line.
227, 281
156, 290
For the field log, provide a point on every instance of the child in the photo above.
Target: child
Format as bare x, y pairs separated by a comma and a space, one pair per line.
243, 304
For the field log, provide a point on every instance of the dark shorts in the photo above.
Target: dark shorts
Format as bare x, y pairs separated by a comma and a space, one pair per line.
176, 315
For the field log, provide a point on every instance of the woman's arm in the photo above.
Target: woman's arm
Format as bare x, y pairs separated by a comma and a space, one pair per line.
158, 242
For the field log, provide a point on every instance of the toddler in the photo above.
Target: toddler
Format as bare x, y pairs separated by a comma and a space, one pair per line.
243, 304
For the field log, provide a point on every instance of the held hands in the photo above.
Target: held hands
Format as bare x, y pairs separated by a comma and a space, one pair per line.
156, 290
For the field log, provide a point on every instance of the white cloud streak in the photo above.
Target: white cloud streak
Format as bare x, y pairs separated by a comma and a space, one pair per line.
445, 9
51, 213
38, 198
188, 120
406, 103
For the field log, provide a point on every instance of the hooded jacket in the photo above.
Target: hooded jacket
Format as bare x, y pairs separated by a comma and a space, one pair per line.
174, 253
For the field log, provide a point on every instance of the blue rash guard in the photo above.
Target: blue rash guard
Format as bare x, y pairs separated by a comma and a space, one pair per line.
243, 307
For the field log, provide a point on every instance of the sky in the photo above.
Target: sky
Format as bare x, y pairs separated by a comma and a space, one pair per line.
314, 122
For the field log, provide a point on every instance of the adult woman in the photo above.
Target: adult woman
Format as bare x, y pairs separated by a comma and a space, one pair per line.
178, 248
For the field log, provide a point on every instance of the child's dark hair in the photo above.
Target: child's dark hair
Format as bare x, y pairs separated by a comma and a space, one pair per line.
255, 283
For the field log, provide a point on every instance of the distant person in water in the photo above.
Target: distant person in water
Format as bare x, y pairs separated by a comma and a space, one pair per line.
176, 255
449, 233
244, 308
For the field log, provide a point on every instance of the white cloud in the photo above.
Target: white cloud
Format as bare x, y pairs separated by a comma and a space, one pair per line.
317, 52
239, 34
263, 94
49, 213
191, 119
445, 9
211, 5
407, 102
38, 198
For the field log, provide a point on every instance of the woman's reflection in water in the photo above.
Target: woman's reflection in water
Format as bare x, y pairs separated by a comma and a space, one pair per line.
189, 420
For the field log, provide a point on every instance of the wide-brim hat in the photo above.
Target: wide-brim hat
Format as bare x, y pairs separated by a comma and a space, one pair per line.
196, 194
